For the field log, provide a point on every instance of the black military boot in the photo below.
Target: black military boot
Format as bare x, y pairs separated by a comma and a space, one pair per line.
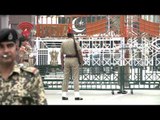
78, 98
64, 98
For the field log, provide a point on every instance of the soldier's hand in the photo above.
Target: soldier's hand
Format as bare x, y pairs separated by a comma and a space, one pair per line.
62, 67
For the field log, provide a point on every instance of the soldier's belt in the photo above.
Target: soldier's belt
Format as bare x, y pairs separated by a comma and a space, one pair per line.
70, 56
25, 60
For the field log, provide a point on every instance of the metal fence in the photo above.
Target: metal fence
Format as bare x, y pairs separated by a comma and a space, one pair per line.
113, 65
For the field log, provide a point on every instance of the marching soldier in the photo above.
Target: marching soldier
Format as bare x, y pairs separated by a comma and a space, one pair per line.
18, 85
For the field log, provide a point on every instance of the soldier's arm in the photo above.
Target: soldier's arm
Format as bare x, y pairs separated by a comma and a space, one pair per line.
62, 60
80, 53
81, 57
62, 57
38, 92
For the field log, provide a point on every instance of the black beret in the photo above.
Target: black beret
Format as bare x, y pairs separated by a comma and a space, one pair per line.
7, 34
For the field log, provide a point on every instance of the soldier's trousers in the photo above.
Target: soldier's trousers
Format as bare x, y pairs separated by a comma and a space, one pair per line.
71, 66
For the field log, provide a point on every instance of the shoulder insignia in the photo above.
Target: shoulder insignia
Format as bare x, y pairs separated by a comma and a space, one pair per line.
31, 70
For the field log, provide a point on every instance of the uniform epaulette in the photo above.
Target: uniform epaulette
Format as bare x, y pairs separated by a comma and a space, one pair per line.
31, 69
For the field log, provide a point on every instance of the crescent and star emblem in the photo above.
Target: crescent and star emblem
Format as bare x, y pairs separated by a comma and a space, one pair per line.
80, 23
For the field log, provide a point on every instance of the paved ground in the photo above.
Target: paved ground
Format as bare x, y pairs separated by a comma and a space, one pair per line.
94, 97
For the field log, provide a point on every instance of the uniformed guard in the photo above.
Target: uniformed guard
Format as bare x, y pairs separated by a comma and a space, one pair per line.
26, 56
18, 85
70, 63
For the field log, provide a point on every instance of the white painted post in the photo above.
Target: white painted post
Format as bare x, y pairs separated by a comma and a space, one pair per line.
4, 21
